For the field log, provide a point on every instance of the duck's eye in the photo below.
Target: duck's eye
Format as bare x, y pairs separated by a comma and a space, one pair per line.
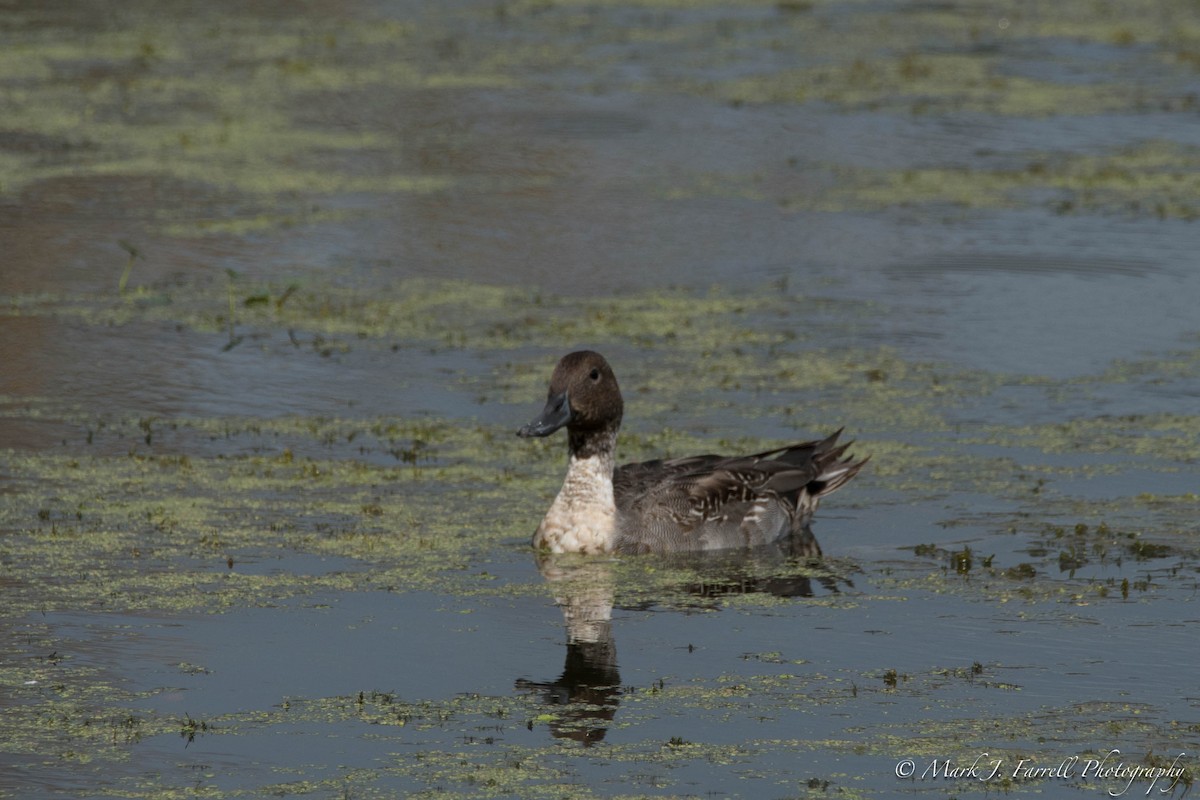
594, 374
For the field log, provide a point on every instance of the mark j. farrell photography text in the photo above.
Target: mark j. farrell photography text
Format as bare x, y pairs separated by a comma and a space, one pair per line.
1117, 775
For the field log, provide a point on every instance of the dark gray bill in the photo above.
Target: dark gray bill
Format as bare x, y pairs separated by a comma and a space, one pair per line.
556, 414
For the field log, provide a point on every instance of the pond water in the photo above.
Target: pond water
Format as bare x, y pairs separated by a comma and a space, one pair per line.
278, 286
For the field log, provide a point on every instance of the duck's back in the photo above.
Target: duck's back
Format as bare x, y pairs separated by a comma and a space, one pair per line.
715, 502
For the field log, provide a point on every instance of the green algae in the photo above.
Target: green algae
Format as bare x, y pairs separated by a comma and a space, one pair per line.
140, 533
144, 508
926, 84
449, 313
178, 528
147, 531
1152, 179
143, 108
969, 70
1165, 440
219, 107
139, 513
491, 760
71, 713
761, 341
137, 521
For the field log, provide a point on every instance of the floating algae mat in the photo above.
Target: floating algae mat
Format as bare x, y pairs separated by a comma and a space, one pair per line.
279, 286
182, 590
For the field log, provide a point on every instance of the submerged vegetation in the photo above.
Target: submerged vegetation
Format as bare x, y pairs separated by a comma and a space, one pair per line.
193, 428
184, 515
238, 147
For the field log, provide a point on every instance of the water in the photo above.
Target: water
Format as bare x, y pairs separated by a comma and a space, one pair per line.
264, 523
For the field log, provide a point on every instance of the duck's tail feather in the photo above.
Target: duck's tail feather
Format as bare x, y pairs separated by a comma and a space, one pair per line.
834, 470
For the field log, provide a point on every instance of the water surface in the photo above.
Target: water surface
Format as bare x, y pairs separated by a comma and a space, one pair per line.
278, 286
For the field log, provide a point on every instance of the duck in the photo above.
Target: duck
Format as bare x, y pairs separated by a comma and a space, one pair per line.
688, 504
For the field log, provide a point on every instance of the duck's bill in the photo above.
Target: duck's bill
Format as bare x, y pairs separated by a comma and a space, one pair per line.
556, 414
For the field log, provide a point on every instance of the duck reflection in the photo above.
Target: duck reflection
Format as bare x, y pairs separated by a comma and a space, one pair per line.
789, 568
588, 691
590, 683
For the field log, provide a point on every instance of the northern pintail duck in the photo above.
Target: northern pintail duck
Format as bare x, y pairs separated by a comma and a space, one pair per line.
694, 503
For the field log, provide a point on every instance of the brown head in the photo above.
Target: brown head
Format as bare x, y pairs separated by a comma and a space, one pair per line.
584, 397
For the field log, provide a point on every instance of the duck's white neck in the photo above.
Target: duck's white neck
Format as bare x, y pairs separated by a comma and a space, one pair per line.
583, 517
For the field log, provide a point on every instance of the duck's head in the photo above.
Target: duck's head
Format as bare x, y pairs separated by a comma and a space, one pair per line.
584, 397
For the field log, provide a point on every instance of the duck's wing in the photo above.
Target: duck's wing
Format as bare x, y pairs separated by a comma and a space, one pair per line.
633, 482
713, 502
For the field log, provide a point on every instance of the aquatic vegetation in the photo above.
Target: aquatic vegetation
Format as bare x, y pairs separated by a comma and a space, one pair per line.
238, 139
1154, 179
185, 515
369, 485
217, 171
